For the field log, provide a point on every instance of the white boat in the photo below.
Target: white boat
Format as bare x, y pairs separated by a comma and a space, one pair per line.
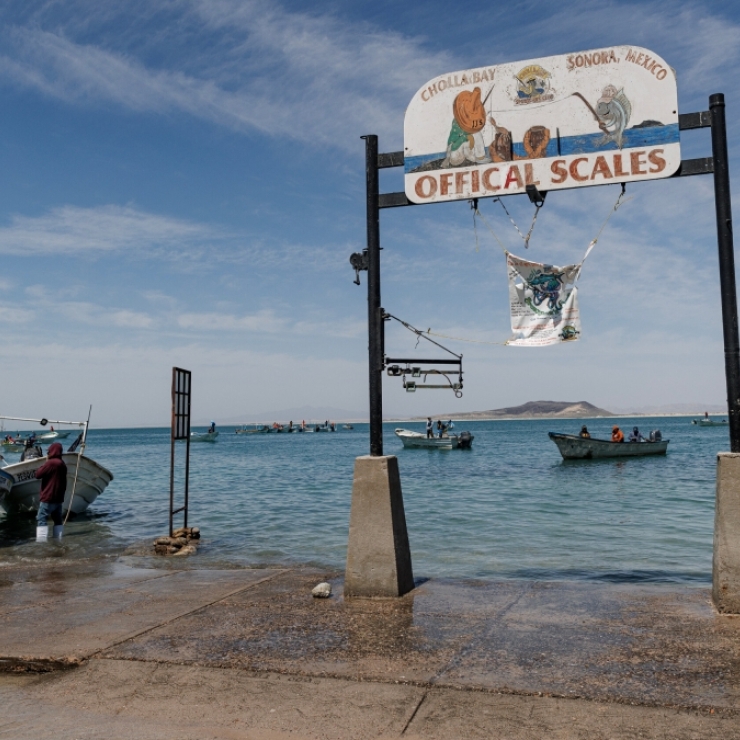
446, 442
203, 436
710, 422
573, 447
256, 429
92, 479
52, 436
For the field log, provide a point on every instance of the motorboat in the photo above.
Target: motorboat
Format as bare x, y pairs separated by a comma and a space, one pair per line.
23, 496
573, 447
203, 436
86, 479
257, 429
707, 422
348, 426
464, 440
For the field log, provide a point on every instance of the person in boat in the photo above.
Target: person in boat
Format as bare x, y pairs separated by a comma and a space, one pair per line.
636, 436
430, 427
212, 428
53, 475
440, 429
584, 434
290, 425
617, 434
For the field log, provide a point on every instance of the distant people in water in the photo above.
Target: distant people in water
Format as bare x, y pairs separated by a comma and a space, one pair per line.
617, 434
584, 433
636, 436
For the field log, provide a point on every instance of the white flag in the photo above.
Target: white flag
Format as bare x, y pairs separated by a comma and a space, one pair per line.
544, 302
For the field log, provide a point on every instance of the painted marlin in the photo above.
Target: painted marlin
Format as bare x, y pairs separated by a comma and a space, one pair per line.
546, 285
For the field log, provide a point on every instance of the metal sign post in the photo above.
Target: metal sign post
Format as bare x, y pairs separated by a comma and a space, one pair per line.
180, 429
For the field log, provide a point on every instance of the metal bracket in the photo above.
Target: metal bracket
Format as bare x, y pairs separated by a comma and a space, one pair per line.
535, 196
415, 370
359, 261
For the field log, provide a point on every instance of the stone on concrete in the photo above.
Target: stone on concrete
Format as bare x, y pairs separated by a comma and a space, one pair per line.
726, 558
378, 553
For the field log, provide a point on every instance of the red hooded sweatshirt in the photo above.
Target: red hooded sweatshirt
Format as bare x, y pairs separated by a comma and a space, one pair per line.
53, 474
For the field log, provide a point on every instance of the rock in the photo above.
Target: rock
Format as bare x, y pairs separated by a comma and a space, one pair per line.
162, 541
187, 550
322, 591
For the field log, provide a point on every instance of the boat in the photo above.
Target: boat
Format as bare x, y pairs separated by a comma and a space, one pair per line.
257, 429
347, 426
710, 422
203, 436
573, 447
23, 496
52, 436
446, 442
8, 445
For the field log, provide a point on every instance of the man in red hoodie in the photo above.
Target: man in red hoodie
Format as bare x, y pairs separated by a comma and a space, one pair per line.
53, 474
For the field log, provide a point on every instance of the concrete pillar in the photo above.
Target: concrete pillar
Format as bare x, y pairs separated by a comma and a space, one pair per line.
726, 558
378, 554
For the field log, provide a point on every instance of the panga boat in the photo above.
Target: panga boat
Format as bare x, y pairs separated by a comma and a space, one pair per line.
710, 422
203, 436
92, 480
573, 447
257, 429
447, 442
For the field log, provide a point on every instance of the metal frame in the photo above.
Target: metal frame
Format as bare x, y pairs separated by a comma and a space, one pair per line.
718, 164
180, 429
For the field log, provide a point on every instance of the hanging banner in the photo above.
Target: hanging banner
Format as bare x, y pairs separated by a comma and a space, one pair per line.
590, 118
544, 303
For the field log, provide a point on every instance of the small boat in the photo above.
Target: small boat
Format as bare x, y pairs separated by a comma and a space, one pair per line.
52, 436
347, 426
710, 422
203, 436
92, 480
11, 445
573, 447
257, 429
446, 442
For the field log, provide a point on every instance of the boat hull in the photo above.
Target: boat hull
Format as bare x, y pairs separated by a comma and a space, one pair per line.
573, 447
709, 423
92, 480
416, 440
203, 436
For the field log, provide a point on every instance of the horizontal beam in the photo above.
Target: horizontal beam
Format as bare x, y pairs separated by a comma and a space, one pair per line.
391, 159
701, 166
393, 200
687, 121
420, 361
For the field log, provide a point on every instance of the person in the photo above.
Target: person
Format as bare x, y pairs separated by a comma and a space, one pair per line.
584, 433
617, 434
212, 428
53, 474
290, 425
430, 427
450, 425
440, 429
636, 436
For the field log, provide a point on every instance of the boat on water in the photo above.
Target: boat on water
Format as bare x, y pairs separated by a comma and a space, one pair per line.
347, 426
203, 436
710, 422
23, 496
573, 447
86, 479
410, 439
255, 429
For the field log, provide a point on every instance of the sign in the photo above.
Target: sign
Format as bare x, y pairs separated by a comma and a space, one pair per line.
591, 118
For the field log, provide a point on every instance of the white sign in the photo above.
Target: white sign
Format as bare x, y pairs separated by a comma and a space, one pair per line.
591, 118
543, 301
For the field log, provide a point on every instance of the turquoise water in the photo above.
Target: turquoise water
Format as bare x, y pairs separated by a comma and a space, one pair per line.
508, 508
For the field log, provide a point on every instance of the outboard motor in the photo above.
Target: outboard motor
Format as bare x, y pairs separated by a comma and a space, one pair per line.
655, 436
465, 440
31, 453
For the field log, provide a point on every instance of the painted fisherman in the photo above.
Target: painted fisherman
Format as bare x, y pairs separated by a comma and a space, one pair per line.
465, 142
53, 474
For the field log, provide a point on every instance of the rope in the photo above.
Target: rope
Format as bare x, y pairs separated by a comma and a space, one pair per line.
80, 449
531, 228
460, 339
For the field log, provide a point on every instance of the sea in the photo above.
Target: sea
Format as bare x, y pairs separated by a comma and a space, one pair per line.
509, 508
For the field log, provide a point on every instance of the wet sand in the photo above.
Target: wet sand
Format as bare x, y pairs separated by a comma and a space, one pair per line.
106, 650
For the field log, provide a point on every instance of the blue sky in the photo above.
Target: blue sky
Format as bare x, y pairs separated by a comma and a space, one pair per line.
183, 183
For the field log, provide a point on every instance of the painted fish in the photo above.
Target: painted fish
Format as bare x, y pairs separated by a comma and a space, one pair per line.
613, 111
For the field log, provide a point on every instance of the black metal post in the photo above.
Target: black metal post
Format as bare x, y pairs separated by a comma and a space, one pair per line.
374, 311
726, 265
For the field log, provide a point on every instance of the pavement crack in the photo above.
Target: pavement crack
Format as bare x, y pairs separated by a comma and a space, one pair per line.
413, 714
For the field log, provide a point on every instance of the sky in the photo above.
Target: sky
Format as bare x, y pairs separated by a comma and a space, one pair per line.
182, 184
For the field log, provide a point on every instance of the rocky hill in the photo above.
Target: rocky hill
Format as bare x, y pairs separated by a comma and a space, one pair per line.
537, 410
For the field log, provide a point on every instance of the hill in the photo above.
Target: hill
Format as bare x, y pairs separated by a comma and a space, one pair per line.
537, 410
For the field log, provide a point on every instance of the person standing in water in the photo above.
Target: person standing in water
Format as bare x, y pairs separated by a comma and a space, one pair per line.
53, 474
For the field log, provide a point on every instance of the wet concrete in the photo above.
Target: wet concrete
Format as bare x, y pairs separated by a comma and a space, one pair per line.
450, 659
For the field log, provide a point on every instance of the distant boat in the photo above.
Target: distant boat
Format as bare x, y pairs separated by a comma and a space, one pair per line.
707, 422
203, 436
257, 429
347, 426
573, 447
447, 442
